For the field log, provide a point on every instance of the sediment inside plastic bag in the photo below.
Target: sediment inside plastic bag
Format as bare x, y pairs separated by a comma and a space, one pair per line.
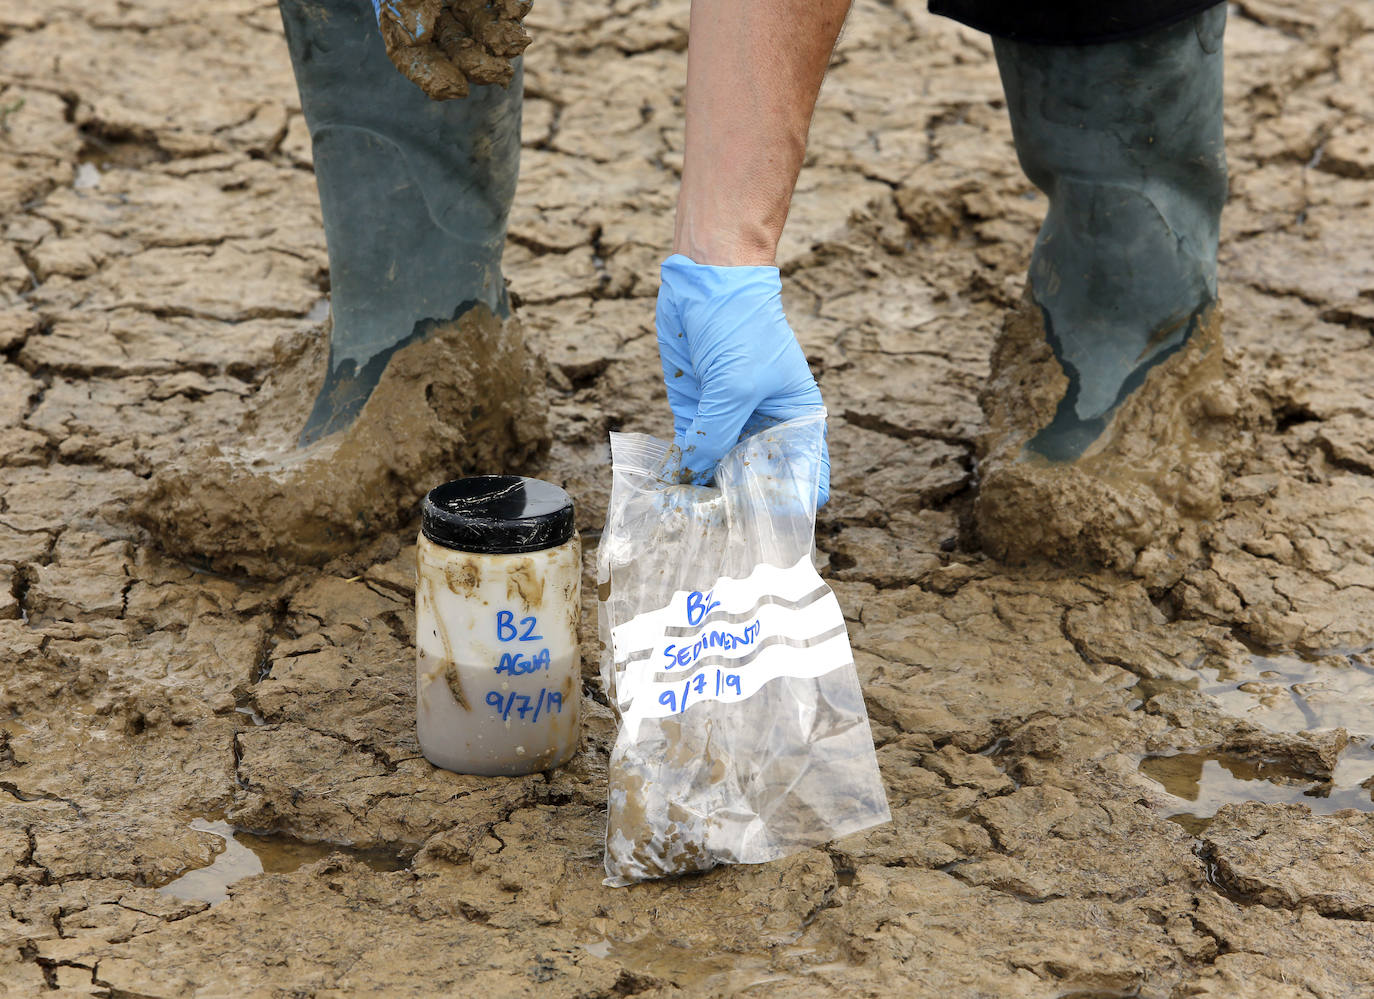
650, 833
789, 765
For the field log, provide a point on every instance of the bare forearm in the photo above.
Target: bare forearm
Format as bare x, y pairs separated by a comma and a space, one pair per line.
754, 69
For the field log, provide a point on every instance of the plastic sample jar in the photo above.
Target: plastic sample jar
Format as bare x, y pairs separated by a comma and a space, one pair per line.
497, 601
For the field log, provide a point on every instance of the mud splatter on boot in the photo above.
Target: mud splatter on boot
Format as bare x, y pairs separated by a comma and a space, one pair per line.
469, 397
1135, 499
442, 47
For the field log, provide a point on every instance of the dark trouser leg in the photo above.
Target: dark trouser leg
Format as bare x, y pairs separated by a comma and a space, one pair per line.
415, 195
1126, 140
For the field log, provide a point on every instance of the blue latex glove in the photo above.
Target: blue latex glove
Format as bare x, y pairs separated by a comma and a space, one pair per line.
730, 361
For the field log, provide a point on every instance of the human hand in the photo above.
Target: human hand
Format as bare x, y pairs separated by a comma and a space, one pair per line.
443, 45
729, 359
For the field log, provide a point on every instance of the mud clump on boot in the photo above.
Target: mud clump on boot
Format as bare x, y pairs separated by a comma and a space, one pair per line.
443, 46
1137, 497
468, 397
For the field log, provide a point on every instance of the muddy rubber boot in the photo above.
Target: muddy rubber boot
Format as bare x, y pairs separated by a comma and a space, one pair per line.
1126, 141
415, 195
423, 376
1109, 402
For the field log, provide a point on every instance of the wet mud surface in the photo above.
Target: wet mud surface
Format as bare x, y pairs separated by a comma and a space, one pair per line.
1070, 754
444, 47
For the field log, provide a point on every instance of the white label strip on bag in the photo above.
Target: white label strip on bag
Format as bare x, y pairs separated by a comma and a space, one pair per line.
725, 643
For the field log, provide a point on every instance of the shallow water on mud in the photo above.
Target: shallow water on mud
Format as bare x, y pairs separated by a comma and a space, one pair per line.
1286, 693
1289, 694
1204, 780
246, 854
1283, 693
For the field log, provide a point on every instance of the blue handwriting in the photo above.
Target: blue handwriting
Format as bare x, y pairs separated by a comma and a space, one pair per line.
717, 639
699, 606
725, 682
518, 664
506, 631
524, 704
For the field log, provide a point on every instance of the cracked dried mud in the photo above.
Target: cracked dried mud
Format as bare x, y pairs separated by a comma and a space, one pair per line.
1122, 781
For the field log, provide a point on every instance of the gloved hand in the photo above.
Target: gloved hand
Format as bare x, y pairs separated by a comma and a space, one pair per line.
729, 360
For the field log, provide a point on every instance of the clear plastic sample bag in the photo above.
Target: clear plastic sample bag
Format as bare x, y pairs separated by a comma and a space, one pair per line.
743, 734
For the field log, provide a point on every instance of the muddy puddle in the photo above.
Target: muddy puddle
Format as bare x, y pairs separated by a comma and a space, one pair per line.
1283, 693
1290, 694
1287, 693
246, 854
1204, 780
251, 713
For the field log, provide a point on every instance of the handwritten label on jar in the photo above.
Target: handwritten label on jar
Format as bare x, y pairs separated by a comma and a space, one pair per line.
726, 642
520, 663
524, 705
507, 631
497, 669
